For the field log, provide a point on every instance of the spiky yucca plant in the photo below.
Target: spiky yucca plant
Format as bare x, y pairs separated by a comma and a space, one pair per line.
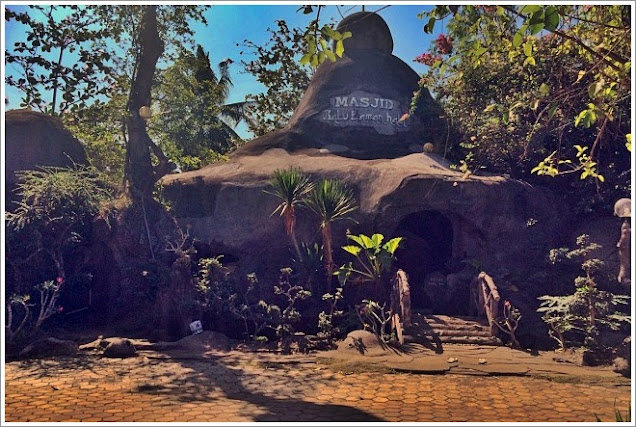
331, 200
290, 186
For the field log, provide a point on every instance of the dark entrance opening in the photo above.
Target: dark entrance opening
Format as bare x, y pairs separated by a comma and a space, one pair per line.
425, 253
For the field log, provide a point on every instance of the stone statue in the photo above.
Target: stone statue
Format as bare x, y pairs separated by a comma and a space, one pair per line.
622, 209
624, 248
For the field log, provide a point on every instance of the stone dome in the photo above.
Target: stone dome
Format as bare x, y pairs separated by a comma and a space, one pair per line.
369, 31
355, 105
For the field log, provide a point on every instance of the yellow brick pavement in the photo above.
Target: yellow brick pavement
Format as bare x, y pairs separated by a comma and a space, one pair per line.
248, 387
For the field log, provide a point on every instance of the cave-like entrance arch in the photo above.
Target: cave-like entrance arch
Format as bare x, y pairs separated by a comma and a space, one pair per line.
426, 251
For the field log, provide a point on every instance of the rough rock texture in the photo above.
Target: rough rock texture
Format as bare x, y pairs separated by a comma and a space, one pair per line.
225, 205
354, 104
371, 32
49, 347
35, 139
191, 346
363, 342
623, 358
206, 340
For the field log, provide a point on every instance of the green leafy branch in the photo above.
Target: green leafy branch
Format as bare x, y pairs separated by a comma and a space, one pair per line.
318, 41
318, 49
586, 165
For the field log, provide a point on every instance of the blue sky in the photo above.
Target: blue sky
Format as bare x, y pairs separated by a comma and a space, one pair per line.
232, 24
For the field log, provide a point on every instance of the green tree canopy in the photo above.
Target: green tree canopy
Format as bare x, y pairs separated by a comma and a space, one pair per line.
277, 66
116, 51
194, 123
59, 58
538, 90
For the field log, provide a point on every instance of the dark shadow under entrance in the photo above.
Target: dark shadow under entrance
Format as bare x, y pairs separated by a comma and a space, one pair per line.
427, 257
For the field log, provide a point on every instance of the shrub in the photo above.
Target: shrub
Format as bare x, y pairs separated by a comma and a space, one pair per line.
54, 205
327, 321
219, 295
588, 310
374, 317
373, 258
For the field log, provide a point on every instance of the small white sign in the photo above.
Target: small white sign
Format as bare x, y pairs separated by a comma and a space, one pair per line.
196, 327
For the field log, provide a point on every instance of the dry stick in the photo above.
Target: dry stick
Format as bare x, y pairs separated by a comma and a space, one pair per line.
601, 24
599, 136
143, 208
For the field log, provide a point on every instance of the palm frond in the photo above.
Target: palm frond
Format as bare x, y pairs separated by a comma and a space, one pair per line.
331, 200
234, 113
224, 84
289, 185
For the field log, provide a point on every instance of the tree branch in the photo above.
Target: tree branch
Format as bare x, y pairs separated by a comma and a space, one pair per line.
569, 37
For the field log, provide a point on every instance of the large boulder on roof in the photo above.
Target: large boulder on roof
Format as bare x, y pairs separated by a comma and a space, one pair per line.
354, 106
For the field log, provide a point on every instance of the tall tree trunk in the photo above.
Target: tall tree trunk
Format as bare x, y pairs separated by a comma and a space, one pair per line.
140, 174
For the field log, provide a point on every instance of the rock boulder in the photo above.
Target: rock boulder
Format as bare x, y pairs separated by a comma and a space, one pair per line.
33, 140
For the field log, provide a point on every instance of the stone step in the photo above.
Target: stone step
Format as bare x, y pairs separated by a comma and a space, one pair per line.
449, 332
468, 330
448, 329
447, 320
453, 340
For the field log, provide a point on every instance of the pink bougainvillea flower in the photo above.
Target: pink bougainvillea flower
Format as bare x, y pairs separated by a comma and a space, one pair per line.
444, 44
427, 59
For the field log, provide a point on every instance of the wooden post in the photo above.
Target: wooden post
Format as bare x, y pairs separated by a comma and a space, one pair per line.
491, 298
401, 297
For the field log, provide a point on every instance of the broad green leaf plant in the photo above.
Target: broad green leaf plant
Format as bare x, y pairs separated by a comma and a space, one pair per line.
374, 258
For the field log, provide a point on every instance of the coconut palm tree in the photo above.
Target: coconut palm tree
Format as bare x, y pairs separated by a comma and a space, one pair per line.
194, 118
291, 186
331, 200
207, 82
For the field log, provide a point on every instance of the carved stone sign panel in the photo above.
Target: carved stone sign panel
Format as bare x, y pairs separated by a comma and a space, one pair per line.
365, 109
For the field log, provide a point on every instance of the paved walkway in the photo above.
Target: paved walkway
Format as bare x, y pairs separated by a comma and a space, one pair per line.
248, 386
